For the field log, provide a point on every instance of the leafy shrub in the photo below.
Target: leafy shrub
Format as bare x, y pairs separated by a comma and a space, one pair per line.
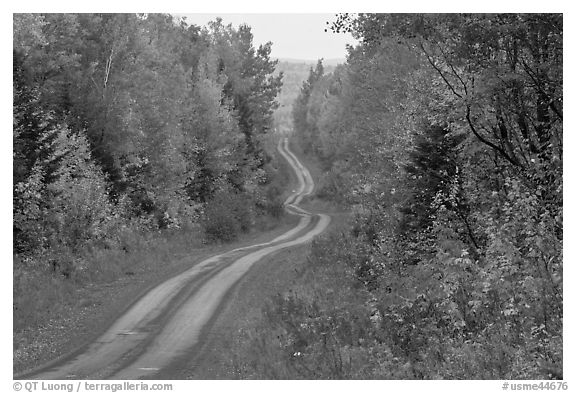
63, 207
226, 216
331, 186
323, 328
359, 312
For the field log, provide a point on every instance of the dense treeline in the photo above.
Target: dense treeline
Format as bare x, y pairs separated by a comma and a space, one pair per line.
443, 133
127, 124
294, 73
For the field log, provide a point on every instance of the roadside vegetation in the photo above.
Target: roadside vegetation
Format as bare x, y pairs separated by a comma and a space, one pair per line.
443, 135
136, 139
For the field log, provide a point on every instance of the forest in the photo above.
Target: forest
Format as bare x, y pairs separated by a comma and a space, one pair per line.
442, 135
294, 73
128, 129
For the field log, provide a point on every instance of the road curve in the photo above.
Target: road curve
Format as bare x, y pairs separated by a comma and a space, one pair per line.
169, 320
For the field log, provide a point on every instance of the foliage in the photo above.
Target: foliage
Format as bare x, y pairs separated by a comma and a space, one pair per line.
294, 74
443, 134
128, 125
171, 113
300, 109
251, 84
226, 216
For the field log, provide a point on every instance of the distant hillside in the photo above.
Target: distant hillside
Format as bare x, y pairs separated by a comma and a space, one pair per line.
326, 62
295, 72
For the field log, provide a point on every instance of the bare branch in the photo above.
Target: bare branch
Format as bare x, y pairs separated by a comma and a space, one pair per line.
551, 102
487, 142
439, 71
453, 70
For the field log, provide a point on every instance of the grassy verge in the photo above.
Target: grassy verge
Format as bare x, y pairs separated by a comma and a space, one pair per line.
234, 346
317, 326
54, 315
317, 320
352, 312
247, 340
311, 162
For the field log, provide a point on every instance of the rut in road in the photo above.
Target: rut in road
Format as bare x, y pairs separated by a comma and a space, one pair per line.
169, 319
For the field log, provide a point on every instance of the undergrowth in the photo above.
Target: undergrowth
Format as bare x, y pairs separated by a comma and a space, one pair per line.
42, 292
344, 321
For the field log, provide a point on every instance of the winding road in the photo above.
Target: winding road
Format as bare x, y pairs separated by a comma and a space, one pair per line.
171, 319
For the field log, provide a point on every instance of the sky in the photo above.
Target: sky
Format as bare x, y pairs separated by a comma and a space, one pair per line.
294, 36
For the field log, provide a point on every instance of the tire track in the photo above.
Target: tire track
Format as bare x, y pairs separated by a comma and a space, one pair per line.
170, 318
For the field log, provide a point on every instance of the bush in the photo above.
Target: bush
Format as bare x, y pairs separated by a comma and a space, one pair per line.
273, 203
357, 312
65, 205
322, 328
330, 187
226, 216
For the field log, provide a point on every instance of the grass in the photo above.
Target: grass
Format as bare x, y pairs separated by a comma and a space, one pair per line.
253, 342
239, 338
54, 315
315, 328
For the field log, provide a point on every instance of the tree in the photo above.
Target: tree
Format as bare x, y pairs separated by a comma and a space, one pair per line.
251, 85
432, 173
511, 63
169, 113
483, 181
213, 138
300, 109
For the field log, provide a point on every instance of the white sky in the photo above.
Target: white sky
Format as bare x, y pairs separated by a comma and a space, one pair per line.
297, 36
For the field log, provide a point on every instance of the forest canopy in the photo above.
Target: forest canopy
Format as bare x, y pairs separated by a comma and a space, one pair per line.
135, 121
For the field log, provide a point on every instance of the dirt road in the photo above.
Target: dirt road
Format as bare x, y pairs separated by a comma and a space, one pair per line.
172, 318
